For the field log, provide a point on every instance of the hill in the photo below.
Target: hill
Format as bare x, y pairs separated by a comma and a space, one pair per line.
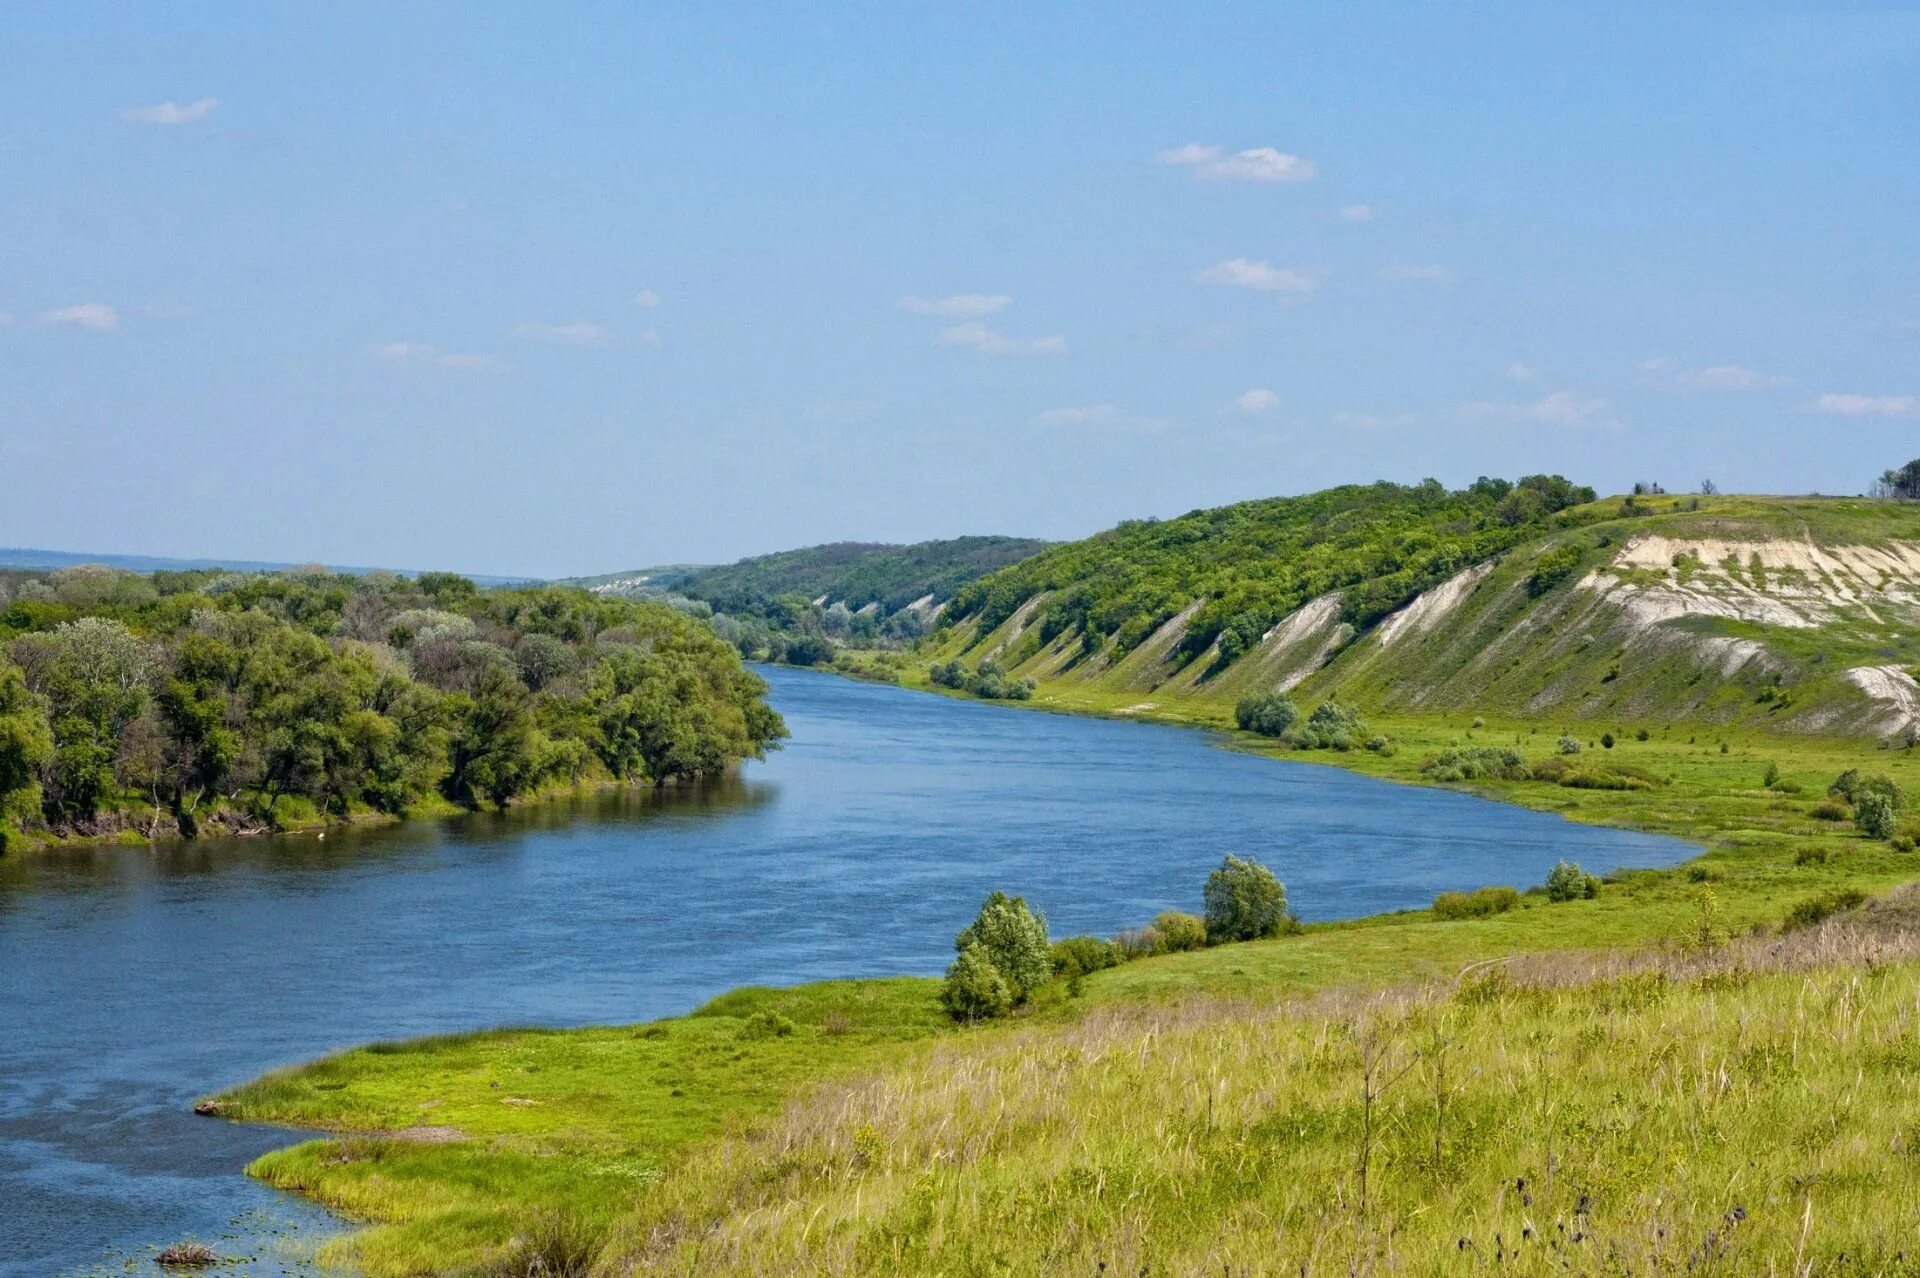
30, 559
1795, 614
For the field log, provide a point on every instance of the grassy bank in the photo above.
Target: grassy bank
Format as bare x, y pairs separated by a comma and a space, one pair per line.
708, 1143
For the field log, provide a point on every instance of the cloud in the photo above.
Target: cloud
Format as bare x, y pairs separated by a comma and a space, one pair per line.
1418, 274
97, 316
975, 336
1715, 377
1357, 213
419, 353
646, 298
1240, 272
578, 332
957, 306
1371, 421
1257, 400
1259, 164
1518, 372
171, 112
1110, 416
1848, 405
1557, 408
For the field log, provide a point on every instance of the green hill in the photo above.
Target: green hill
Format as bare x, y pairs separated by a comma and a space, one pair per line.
1796, 614
858, 574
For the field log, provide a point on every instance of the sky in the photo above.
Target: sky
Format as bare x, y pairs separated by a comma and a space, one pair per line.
562, 289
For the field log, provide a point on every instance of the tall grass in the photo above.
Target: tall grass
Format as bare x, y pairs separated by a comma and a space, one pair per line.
1748, 1109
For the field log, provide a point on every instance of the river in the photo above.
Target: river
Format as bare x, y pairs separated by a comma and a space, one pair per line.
134, 979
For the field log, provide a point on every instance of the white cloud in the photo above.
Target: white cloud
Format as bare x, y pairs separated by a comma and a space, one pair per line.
1848, 405
1357, 213
1110, 416
1557, 408
1258, 164
957, 306
1419, 274
97, 316
1240, 272
975, 336
420, 353
171, 112
576, 333
1518, 372
1371, 421
1715, 377
646, 298
1257, 400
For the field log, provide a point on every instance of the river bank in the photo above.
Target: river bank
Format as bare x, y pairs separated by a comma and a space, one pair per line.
1762, 853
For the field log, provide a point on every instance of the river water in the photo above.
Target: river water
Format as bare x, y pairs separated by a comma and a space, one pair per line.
133, 980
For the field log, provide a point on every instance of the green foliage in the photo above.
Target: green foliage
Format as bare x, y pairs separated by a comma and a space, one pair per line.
1081, 955
1479, 903
1817, 909
1379, 545
309, 693
1271, 714
26, 746
1179, 931
1244, 902
1606, 741
1331, 726
1552, 568
975, 989
1568, 882
1010, 939
989, 681
1875, 815
1569, 745
1477, 763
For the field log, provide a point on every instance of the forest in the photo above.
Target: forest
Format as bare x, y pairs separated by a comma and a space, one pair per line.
162, 703
1379, 544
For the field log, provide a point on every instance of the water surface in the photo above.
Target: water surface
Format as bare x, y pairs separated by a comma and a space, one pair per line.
133, 980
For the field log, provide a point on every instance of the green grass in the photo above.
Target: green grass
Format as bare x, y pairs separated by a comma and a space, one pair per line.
458, 1144
586, 1127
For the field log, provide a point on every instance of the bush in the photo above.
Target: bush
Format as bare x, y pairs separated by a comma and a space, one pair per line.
1569, 745
974, 989
1079, 955
1552, 568
1478, 763
1812, 856
1270, 714
1331, 726
1772, 777
1136, 943
1180, 931
766, 1025
1476, 904
1817, 909
1244, 902
1874, 815
1014, 940
1830, 809
1568, 882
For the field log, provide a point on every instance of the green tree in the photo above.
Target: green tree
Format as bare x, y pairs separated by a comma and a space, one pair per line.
1271, 714
93, 673
1014, 939
975, 989
26, 746
1568, 882
1244, 902
1875, 814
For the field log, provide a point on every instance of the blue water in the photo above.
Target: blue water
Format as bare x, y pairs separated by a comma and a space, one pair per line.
133, 980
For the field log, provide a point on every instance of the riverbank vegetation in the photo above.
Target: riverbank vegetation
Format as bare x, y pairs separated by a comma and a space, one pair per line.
165, 703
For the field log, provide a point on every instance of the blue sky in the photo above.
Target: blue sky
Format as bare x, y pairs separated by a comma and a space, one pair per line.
568, 288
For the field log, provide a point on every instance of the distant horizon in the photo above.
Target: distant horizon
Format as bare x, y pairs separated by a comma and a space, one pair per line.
167, 562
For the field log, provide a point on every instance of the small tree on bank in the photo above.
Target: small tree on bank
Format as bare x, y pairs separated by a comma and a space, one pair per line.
1003, 958
1245, 902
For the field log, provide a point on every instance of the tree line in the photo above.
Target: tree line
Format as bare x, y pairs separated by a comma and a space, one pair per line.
163, 701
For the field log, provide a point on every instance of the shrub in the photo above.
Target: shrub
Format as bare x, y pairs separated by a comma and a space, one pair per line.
766, 1025
1244, 902
1773, 776
1270, 714
1079, 955
974, 989
1478, 763
1136, 942
188, 1255
1476, 904
1552, 568
1817, 909
1382, 746
1642, 735
1830, 809
1331, 726
1014, 940
1606, 741
1180, 931
1874, 815
1568, 882
1812, 856
1569, 745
